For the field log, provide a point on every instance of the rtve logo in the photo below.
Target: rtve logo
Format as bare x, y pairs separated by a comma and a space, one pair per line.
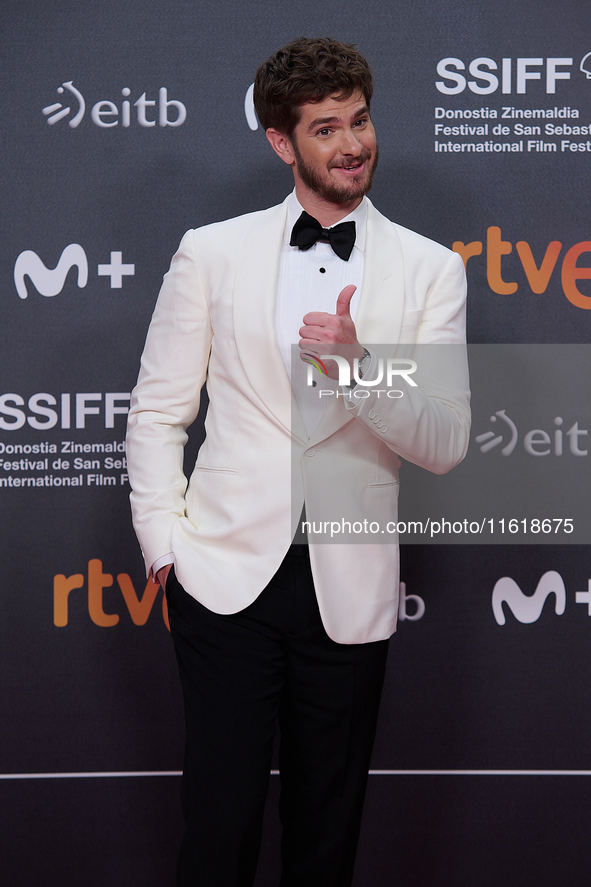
50, 281
139, 608
514, 73
538, 276
528, 608
536, 442
106, 114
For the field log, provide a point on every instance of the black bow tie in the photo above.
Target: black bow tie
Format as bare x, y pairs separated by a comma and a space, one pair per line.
307, 230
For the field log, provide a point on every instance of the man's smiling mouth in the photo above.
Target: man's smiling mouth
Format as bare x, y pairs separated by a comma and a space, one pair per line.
355, 166
352, 169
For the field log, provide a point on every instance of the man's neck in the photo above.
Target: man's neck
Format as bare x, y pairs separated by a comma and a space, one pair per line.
328, 214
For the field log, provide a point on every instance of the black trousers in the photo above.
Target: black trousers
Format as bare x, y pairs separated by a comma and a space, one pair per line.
242, 672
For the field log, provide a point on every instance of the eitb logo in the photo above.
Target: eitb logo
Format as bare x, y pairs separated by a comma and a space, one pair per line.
107, 113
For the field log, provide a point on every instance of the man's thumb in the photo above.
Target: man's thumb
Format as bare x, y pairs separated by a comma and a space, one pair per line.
344, 300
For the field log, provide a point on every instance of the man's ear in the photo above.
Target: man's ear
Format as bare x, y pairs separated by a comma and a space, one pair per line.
281, 145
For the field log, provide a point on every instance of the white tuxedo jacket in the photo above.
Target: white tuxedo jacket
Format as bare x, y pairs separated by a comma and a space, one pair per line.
231, 525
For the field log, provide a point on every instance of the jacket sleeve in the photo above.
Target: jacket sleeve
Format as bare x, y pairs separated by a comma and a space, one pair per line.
429, 424
165, 401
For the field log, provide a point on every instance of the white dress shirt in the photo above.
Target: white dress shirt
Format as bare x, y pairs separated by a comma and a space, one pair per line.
311, 280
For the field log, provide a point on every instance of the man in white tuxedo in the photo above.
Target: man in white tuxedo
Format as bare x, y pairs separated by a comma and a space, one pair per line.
264, 629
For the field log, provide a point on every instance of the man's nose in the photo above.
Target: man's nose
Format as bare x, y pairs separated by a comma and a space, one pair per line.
350, 144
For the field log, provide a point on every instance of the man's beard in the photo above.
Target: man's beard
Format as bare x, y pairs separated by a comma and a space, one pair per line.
333, 192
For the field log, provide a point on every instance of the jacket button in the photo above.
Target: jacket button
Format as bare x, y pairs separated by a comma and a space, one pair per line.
372, 414
383, 429
311, 452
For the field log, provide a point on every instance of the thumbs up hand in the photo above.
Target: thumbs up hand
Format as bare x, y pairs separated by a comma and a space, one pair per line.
324, 333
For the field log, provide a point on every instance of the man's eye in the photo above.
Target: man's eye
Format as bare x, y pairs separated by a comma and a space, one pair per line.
323, 132
360, 122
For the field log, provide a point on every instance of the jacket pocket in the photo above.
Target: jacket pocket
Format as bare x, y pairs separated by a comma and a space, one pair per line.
210, 468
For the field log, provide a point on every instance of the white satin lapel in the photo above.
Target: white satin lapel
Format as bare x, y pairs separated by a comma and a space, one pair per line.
381, 308
255, 293
379, 319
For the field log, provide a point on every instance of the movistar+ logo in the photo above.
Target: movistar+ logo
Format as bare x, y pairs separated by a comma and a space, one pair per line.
528, 608
50, 281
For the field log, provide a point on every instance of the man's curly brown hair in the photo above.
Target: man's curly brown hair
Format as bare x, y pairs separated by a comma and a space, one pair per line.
307, 70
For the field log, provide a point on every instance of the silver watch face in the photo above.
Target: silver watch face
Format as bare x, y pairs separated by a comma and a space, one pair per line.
364, 362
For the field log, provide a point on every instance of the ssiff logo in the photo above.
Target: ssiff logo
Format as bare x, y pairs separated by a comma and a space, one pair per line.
50, 281
106, 113
512, 74
585, 65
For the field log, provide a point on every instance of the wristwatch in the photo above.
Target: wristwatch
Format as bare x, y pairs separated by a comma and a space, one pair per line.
361, 367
